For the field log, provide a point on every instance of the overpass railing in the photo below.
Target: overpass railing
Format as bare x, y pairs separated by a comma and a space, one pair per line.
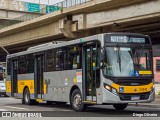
46, 10
64, 4
70, 3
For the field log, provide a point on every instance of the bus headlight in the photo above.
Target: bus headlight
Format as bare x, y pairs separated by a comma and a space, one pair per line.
111, 89
108, 87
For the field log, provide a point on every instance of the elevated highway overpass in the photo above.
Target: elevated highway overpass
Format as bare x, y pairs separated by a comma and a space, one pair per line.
10, 16
14, 11
92, 17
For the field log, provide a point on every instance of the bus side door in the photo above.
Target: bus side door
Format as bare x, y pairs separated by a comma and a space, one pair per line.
14, 77
91, 74
38, 75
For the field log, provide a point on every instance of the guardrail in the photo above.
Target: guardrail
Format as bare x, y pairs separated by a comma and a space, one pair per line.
45, 10
70, 3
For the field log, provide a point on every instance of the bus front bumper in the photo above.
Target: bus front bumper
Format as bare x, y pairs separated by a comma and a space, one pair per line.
110, 98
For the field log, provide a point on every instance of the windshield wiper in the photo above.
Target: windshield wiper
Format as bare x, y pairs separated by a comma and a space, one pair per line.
118, 57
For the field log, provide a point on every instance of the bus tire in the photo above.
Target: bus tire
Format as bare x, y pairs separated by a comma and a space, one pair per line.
76, 101
27, 99
120, 106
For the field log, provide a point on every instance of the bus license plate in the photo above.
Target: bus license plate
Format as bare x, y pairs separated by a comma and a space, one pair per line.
135, 98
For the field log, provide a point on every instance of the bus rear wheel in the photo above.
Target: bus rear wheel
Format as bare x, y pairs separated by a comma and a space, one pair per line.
76, 101
120, 106
26, 98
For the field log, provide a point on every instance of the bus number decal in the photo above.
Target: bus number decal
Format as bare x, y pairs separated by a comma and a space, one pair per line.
142, 89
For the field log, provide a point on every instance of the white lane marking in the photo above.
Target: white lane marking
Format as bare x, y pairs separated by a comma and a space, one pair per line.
15, 107
3, 110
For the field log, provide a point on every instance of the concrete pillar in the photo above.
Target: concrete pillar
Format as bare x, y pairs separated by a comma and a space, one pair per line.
81, 20
66, 27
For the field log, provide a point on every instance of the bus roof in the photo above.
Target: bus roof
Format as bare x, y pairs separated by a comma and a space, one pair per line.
51, 45
44, 45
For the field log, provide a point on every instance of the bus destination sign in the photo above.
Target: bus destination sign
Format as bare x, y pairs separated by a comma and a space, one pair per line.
126, 39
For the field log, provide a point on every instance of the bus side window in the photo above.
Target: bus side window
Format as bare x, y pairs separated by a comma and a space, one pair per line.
57, 60
66, 59
30, 63
22, 65
75, 57
50, 62
63, 58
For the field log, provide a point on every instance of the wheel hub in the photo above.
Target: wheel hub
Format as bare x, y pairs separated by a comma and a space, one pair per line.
77, 100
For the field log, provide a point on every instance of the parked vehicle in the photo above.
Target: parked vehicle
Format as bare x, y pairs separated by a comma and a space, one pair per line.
2, 73
2, 88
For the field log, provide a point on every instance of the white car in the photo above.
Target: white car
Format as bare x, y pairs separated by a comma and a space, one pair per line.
2, 88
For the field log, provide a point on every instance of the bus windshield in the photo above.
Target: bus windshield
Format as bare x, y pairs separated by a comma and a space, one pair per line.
127, 61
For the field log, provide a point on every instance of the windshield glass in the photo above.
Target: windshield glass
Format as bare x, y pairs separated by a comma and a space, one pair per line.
125, 62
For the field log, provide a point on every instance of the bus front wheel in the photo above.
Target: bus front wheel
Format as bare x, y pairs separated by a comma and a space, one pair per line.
76, 101
120, 106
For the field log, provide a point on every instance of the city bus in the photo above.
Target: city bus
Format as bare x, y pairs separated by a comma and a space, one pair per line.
105, 69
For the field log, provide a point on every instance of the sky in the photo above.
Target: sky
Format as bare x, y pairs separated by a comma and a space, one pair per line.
43, 1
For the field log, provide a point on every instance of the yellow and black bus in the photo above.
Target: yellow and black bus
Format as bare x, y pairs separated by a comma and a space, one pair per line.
111, 68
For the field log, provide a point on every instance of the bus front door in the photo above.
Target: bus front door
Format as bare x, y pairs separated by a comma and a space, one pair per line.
89, 72
38, 76
14, 78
